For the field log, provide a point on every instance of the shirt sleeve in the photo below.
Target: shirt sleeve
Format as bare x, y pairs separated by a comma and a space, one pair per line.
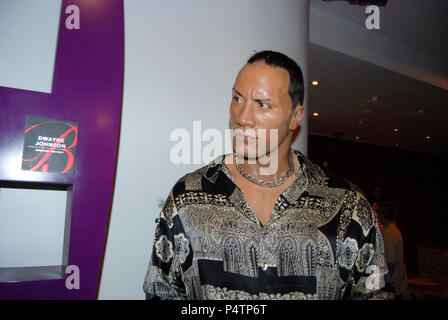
171, 253
364, 256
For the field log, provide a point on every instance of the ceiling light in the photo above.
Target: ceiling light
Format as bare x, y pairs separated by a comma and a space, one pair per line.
316, 114
395, 130
428, 137
396, 144
315, 83
356, 138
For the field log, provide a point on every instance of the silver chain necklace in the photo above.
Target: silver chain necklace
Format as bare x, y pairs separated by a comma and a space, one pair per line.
271, 183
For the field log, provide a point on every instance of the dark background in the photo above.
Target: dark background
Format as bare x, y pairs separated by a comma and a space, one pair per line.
413, 180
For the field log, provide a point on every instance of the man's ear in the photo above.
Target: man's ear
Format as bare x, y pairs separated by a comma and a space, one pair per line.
297, 115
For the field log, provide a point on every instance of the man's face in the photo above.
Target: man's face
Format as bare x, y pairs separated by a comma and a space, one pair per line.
260, 101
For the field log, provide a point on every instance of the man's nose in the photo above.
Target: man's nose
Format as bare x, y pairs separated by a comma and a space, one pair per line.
246, 116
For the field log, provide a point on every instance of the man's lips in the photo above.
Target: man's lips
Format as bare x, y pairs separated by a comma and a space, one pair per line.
246, 135
246, 139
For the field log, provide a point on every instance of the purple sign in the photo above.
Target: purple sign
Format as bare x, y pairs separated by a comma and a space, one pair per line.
87, 92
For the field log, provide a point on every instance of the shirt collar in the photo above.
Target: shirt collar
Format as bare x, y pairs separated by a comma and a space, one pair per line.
308, 175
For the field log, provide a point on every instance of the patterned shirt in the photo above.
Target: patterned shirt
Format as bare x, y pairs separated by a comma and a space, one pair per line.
321, 241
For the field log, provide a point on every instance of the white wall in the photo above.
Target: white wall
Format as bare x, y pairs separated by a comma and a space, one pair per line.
21, 243
28, 36
181, 59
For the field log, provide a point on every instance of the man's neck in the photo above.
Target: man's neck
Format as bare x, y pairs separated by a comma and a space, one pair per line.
270, 166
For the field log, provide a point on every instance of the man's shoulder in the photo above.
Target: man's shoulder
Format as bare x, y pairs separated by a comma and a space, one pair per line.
355, 203
349, 199
185, 189
193, 181
326, 179
350, 194
338, 182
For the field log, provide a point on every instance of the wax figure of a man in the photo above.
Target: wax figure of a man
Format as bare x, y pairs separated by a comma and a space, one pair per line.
236, 229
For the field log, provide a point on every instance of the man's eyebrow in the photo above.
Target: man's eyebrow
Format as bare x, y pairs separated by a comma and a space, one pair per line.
256, 100
236, 91
262, 100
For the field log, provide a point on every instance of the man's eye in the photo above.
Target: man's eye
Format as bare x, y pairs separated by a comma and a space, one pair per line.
264, 105
237, 99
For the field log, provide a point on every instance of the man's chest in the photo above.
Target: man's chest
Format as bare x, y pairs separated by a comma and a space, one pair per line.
261, 200
293, 244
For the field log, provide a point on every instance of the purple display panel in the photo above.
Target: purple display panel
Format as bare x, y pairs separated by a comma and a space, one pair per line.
87, 89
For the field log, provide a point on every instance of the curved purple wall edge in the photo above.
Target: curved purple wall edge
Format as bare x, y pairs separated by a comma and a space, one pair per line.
87, 89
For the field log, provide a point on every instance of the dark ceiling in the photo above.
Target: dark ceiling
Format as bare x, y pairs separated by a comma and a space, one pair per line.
347, 84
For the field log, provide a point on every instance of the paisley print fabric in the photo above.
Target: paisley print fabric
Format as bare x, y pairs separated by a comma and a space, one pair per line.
318, 243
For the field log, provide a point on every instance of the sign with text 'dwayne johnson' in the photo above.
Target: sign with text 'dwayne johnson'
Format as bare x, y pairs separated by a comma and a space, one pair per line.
50, 145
